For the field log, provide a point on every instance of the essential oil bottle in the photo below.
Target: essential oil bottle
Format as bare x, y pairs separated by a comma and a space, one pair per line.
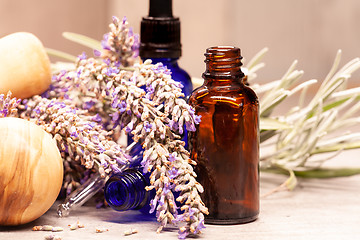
160, 41
225, 144
126, 191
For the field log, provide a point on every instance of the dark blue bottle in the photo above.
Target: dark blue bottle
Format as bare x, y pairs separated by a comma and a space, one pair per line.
126, 191
160, 40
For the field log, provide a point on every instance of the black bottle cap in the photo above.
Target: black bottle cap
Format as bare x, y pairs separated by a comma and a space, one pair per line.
160, 32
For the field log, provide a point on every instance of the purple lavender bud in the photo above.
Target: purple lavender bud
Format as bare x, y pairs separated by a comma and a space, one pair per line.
101, 150
97, 53
197, 119
173, 173
82, 56
5, 112
190, 126
115, 168
183, 234
129, 127
79, 73
131, 32
115, 19
115, 116
88, 104
117, 64
122, 106
124, 20
153, 203
147, 126
115, 102
96, 118
200, 226
172, 157
107, 61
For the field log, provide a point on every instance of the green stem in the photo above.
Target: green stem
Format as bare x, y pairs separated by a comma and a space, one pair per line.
83, 40
318, 173
60, 54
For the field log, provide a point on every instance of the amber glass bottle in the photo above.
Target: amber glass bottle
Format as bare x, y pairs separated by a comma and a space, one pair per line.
225, 144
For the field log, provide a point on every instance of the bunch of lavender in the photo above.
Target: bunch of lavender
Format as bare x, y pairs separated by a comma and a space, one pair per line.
120, 44
145, 101
8, 105
78, 135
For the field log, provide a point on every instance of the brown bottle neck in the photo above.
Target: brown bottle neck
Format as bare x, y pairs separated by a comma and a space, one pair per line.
223, 63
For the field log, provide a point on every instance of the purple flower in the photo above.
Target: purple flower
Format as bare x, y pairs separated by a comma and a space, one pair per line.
197, 119
178, 84
102, 149
91, 125
82, 56
111, 70
153, 203
147, 126
61, 105
36, 110
172, 157
96, 118
129, 127
115, 102
115, 19
115, 116
122, 106
190, 126
131, 32
183, 233
107, 61
124, 20
200, 226
104, 42
73, 132
78, 73
5, 112
115, 168
173, 173
88, 104
173, 125
97, 53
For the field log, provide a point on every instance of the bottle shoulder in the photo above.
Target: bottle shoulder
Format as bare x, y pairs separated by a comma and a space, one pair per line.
226, 94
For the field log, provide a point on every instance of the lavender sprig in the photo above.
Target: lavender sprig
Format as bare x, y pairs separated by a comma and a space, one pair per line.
77, 134
156, 118
120, 45
8, 105
145, 101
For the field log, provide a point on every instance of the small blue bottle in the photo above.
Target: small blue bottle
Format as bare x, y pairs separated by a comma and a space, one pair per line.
160, 41
126, 191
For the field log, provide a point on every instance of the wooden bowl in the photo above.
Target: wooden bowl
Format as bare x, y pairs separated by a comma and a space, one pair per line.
24, 65
31, 171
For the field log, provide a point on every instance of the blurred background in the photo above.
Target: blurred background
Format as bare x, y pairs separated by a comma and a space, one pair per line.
310, 31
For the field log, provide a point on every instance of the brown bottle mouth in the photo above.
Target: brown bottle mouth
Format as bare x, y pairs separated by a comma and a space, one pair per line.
223, 61
223, 51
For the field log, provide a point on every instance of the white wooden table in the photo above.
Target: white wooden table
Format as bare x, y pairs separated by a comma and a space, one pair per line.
316, 209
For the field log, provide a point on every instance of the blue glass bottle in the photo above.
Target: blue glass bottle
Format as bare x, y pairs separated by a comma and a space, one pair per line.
126, 191
160, 41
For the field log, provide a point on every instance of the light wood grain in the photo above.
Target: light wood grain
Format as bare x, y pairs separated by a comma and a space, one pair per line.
31, 171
